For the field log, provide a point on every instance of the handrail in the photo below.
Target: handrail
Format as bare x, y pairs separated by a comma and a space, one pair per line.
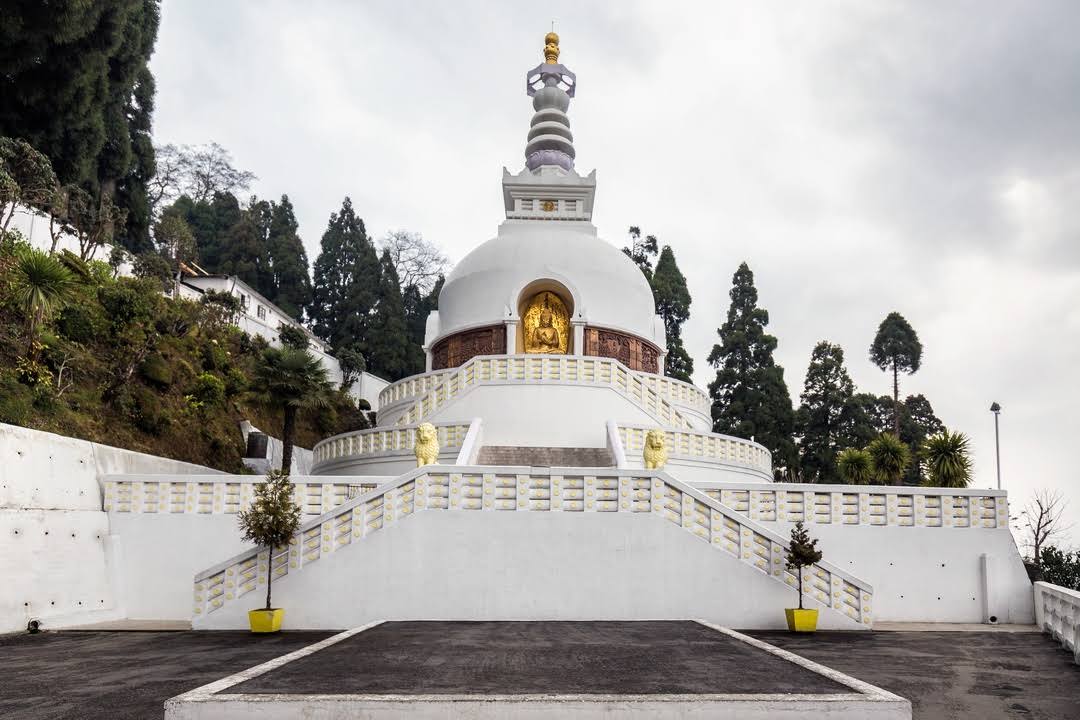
541, 369
585, 490
678, 392
375, 441
694, 444
888, 505
221, 494
1057, 611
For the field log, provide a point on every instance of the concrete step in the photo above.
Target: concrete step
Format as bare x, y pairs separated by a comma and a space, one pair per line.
520, 455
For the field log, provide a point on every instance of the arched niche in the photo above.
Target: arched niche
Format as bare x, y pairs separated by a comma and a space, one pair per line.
545, 308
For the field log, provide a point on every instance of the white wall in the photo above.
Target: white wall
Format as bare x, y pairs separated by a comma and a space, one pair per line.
930, 574
58, 554
461, 565
544, 414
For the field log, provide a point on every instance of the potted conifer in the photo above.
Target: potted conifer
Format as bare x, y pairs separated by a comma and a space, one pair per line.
271, 521
802, 552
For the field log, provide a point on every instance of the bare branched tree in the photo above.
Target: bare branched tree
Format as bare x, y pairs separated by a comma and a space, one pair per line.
198, 171
1040, 521
419, 263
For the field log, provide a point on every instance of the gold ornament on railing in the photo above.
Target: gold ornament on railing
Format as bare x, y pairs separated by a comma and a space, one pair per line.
426, 445
655, 451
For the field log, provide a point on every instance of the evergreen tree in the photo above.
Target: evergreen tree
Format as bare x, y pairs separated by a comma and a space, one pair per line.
749, 396
74, 83
896, 347
346, 282
641, 251
824, 418
244, 254
292, 283
388, 346
210, 223
417, 309
672, 299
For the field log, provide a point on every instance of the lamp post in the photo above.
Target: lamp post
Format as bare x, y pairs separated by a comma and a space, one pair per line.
996, 409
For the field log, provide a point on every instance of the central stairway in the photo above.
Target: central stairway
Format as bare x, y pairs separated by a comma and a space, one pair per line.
523, 456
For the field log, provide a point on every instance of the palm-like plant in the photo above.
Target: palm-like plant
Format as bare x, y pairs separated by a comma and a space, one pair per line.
41, 286
290, 380
856, 466
890, 457
948, 459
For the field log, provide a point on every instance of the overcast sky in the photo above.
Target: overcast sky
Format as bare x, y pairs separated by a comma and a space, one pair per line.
861, 157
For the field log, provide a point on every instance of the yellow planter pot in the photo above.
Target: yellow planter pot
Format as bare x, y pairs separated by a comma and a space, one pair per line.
801, 620
267, 621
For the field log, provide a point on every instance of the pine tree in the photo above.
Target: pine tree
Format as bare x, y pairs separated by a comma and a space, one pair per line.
346, 282
672, 299
823, 419
749, 396
244, 253
292, 283
417, 309
641, 251
210, 223
896, 347
388, 346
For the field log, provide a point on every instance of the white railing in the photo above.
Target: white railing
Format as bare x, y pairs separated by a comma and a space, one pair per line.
706, 446
585, 491
383, 441
221, 494
896, 506
1057, 611
409, 388
541, 369
674, 391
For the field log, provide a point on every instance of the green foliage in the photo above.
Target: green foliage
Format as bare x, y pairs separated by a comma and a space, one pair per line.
856, 467
155, 370
890, 457
209, 389
293, 337
154, 266
16, 401
174, 239
749, 396
40, 285
388, 355
672, 299
291, 281
417, 308
823, 421
346, 284
77, 323
896, 347
214, 356
245, 254
801, 552
1059, 567
273, 517
947, 457
641, 251
290, 380
26, 178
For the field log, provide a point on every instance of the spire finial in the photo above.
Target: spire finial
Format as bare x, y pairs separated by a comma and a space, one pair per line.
551, 46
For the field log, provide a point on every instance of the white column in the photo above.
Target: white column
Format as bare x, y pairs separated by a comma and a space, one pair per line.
511, 335
579, 336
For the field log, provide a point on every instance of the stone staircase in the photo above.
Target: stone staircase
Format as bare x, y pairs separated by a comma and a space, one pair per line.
521, 456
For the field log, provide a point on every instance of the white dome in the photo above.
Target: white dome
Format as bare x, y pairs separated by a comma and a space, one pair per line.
607, 289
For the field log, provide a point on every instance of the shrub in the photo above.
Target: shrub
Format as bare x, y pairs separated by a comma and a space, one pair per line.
292, 337
156, 371
76, 323
209, 389
890, 457
147, 412
802, 552
948, 460
856, 466
273, 517
152, 265
214, 356
235, 382
16, 401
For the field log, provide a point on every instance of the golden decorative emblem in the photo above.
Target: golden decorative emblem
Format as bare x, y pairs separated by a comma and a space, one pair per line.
546, 324
548, 205
551, 48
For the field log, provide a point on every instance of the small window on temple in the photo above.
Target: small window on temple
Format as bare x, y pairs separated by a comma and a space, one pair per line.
261, 312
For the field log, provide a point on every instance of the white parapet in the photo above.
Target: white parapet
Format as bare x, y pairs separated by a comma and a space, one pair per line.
1057, 611
382, 450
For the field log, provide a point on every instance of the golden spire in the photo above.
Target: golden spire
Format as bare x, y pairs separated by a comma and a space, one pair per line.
551, 48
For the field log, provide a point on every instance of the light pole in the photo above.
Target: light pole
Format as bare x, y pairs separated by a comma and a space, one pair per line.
996, 409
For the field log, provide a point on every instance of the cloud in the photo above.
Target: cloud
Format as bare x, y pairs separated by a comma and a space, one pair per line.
861, 157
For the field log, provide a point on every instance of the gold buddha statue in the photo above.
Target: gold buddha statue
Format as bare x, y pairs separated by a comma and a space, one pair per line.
546, 324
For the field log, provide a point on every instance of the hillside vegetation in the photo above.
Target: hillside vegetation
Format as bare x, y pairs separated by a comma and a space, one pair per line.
113, 360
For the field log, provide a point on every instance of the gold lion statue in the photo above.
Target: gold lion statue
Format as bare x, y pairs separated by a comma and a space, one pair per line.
655, 449
426, 445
